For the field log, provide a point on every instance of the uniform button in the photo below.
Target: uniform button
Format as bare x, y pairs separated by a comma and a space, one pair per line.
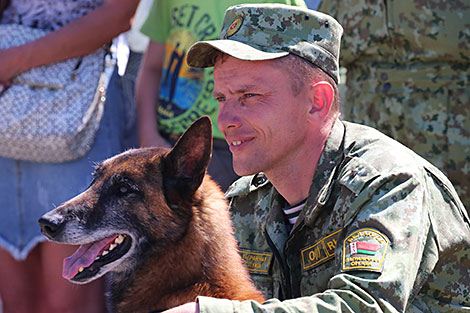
259, 179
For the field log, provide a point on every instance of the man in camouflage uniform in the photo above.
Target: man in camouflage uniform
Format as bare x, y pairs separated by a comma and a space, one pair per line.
381, 230
408, 76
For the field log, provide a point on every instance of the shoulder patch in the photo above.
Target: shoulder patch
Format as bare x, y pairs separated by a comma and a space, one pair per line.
256, 261
364, 250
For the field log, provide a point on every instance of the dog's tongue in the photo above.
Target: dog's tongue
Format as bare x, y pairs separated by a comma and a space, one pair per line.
84, 256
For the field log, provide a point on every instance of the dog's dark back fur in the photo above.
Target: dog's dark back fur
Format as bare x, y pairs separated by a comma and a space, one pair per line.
182, 236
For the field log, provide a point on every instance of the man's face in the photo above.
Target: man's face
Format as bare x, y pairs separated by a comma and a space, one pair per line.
264, 123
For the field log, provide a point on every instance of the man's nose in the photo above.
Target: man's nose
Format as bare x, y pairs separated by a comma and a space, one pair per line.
228, 117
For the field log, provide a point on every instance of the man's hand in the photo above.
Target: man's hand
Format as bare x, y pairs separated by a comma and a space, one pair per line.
191, 307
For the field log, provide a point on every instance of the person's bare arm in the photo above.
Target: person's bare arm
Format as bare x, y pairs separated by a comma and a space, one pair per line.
77, 38
147, 90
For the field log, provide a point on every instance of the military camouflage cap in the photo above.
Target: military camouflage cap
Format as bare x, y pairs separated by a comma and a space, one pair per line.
268, 31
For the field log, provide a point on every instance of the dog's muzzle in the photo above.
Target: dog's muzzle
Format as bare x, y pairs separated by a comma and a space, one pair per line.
51, 227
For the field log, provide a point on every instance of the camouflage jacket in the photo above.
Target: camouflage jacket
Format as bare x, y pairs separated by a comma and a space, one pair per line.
401, 30
382, 231
408, 75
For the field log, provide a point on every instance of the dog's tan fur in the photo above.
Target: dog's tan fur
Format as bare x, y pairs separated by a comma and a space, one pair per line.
204, 262
184, 238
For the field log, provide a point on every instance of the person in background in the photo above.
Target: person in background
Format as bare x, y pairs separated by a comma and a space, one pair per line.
169, 94
408, 75
30, 271
130, 47
331, 216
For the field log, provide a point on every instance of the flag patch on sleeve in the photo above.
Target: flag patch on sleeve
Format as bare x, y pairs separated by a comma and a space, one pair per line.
364, 249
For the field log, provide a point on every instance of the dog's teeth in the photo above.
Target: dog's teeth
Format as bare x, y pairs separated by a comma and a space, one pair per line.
112, 246
105, 252
80, 269
119, 239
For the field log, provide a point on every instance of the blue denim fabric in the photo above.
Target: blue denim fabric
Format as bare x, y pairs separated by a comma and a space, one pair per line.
29, 189
126, 86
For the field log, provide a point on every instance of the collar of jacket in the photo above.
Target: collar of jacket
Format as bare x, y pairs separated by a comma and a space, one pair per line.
325, 172
319, 193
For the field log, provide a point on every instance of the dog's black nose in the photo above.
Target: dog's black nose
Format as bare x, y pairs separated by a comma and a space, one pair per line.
50, 228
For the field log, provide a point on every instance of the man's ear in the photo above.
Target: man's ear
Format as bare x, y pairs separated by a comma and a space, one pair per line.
323, 94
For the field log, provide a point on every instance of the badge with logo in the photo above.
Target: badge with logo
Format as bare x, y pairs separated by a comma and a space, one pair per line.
256, 262
234, 27
364, 249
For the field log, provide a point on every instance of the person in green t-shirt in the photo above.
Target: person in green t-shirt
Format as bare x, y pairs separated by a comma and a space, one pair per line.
169, 94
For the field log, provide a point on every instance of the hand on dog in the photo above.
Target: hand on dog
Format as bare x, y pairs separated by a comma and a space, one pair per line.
191, 307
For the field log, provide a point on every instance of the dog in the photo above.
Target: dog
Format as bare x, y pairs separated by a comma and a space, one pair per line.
155, 223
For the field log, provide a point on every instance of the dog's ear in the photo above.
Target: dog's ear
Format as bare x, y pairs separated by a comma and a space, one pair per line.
185, 165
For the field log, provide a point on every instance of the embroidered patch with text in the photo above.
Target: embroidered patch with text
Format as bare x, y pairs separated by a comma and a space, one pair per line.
256, 262
364, 249
320, 252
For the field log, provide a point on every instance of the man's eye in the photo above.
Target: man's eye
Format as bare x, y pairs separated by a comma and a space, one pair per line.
220, 99
249, 95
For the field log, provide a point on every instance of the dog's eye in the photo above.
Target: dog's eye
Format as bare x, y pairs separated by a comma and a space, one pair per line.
123, 189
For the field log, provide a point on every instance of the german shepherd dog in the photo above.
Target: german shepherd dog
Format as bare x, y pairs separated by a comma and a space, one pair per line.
157, 226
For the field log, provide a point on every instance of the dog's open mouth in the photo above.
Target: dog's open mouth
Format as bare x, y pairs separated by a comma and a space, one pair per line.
89, 258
